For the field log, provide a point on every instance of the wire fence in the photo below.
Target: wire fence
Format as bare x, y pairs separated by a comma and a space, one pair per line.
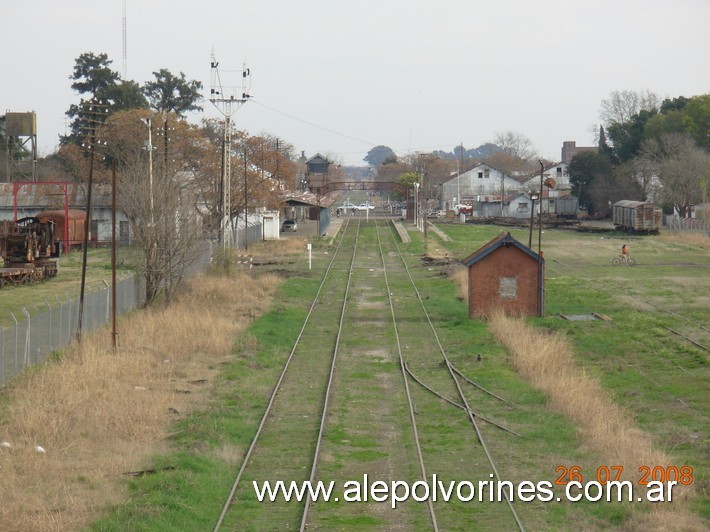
688, 225
40, 330
243, 236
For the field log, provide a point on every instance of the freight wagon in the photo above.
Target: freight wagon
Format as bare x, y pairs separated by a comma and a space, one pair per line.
637, 216
69, 226
566, 206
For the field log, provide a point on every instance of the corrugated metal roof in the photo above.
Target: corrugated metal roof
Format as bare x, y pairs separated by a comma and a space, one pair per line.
47, 195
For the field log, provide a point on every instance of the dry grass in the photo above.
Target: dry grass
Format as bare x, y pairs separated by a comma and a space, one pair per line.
288, 247
460, 279
99, 415
698, 240
546, 362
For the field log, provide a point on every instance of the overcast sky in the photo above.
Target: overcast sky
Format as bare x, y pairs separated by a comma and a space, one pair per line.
340, 77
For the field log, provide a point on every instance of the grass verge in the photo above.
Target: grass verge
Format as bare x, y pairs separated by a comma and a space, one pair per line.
99, 416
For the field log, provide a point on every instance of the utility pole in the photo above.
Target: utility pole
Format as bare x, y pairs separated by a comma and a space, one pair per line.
458, 177
114, 333
540, 293
95, 114
148, 122
227, 100
246, 205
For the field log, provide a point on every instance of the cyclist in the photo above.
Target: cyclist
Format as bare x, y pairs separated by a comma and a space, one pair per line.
624, 255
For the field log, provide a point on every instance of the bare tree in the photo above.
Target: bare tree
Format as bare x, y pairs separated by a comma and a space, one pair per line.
517, 155
515, 144
622, 105
162, 204
681, 167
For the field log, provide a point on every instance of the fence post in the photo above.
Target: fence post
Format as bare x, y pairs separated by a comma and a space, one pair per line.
2, 368
28, 332
16, 344
60, 318
50, 326
108, 300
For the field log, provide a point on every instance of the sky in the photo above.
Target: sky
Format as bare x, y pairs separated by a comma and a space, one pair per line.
339, 78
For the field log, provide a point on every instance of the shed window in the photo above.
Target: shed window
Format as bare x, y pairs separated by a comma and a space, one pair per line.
508, 287
480, 175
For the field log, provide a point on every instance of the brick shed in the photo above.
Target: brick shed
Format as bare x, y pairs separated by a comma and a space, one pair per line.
505, 274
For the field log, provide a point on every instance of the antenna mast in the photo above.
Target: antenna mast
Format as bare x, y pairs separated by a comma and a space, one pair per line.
228, 100
125, 55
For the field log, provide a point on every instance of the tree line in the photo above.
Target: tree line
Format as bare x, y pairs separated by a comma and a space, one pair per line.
174, 204
649, 149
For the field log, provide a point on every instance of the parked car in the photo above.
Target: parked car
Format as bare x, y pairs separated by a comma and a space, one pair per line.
289, 225
364, 207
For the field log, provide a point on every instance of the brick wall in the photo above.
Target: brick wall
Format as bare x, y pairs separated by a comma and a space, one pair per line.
516, 293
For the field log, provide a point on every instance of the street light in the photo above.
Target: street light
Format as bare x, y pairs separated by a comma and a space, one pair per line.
533, 196
149, 147
416, 204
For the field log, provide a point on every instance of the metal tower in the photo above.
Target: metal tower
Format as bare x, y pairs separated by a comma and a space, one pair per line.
227, 99
21, 146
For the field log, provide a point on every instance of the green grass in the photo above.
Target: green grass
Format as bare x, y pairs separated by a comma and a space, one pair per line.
66, 284
635, 359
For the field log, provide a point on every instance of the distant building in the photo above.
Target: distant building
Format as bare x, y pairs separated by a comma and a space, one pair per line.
31, 198
517, 206
481, 184
557, 173
570, 149
317, 174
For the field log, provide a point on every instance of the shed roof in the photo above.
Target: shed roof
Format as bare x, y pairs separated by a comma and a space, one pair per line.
316, 157
308, 199
498, 242
629, 203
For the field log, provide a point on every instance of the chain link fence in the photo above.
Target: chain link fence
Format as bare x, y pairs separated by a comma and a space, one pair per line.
688, 225
42, 329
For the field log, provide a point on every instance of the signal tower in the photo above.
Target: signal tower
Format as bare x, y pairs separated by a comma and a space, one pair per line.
227, 99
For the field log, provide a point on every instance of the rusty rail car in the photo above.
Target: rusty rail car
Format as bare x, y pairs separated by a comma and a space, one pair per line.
29, 250
637, 216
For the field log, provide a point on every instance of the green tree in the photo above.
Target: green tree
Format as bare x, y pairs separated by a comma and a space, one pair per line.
599, 183
697, 119
627, 137
93, 79
379, 155
173, 93
671, 121
126, 96
408, 179
93, 75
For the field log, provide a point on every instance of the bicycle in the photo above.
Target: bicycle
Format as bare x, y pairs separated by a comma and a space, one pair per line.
620, 261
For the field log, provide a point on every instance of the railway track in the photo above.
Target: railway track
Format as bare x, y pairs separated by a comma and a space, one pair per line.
346, 408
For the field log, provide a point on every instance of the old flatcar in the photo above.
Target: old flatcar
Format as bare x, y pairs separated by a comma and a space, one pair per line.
637, 216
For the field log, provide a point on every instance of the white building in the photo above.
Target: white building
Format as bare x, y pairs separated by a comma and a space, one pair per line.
482, 184
559, 172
